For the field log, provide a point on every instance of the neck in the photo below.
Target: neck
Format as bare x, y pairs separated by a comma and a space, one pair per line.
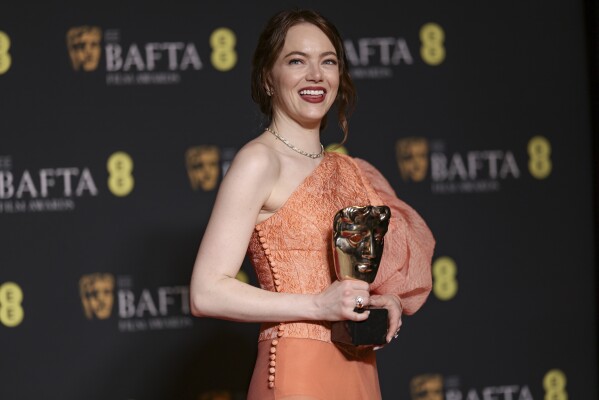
304, 137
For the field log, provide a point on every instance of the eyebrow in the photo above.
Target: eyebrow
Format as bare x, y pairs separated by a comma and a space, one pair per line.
300, 53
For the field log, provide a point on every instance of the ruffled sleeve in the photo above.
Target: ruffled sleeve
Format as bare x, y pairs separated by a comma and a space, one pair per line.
405, 268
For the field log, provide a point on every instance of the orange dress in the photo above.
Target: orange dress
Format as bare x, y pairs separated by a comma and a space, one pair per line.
291, 252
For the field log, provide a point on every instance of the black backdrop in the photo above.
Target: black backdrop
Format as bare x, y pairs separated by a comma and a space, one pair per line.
97, 198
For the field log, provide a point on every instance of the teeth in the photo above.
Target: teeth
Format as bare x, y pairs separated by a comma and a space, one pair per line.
312, 92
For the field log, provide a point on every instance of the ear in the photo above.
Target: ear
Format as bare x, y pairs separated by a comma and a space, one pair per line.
268, 86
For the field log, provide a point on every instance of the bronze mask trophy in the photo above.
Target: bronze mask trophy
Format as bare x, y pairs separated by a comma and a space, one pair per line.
358, 242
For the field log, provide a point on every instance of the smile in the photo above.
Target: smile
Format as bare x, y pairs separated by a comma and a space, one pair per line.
308, 92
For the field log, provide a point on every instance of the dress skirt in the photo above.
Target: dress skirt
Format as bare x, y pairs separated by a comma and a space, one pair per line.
313, 369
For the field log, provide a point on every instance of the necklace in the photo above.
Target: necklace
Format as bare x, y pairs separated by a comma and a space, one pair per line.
292, 147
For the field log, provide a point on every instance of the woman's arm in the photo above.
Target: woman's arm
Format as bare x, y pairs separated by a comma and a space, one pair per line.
214, 290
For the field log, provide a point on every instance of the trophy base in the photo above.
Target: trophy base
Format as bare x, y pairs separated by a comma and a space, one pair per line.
372, 331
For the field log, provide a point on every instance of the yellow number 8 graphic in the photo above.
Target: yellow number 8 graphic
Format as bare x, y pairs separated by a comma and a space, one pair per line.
5, 59
539, 163
445, 286
554, 384
224, 56
120, 181
11, 311
432, 50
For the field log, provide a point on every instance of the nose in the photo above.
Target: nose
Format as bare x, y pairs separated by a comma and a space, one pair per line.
368, 250
314, 73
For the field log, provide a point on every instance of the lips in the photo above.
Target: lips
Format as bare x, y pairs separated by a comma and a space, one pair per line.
313, 94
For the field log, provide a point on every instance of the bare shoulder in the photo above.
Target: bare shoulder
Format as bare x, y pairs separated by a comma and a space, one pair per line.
253, 174
255, 161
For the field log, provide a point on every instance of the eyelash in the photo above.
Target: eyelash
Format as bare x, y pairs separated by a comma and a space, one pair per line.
298, 61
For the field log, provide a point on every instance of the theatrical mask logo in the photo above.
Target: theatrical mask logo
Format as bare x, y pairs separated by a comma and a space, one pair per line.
203, 168
427, 387
97, 295
412, 158
83, 44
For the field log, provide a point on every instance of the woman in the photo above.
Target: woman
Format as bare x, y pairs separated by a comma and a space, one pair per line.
277, 202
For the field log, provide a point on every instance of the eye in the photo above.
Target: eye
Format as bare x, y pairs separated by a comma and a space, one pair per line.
295, 61
356, 238
330, 61
352, 236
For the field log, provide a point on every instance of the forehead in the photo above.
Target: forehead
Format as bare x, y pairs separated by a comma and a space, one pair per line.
89, 35
102, 283
306, 37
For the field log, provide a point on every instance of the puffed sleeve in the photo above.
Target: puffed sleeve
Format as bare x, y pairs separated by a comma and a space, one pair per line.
405, 268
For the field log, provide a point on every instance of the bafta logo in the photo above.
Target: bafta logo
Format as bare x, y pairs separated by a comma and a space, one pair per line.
203, 169
97, 295
83, 44
427, 387
412, 158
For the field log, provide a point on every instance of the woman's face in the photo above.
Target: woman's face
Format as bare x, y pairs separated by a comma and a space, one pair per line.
305, 76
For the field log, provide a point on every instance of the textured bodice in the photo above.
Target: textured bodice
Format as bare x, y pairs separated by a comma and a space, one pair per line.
291, 251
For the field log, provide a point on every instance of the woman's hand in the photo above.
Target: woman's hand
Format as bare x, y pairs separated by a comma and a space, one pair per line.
338, 301
393, 305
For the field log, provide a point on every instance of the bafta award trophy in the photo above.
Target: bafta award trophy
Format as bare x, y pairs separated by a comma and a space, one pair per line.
358, 234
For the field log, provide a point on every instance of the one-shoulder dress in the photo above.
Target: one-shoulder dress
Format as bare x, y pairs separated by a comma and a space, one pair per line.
291, 252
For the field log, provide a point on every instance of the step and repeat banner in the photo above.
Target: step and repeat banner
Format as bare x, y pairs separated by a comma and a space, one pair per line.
117, 123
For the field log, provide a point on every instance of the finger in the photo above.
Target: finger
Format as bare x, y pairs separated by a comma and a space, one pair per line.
358, 299
359, 316
376, 301
361, 300
394, 326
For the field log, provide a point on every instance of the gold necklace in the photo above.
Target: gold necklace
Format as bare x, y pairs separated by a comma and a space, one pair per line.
292, 147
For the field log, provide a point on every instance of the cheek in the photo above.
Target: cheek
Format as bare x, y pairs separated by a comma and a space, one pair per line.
334, 83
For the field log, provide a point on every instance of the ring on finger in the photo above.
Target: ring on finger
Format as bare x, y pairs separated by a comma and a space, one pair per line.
359, 302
